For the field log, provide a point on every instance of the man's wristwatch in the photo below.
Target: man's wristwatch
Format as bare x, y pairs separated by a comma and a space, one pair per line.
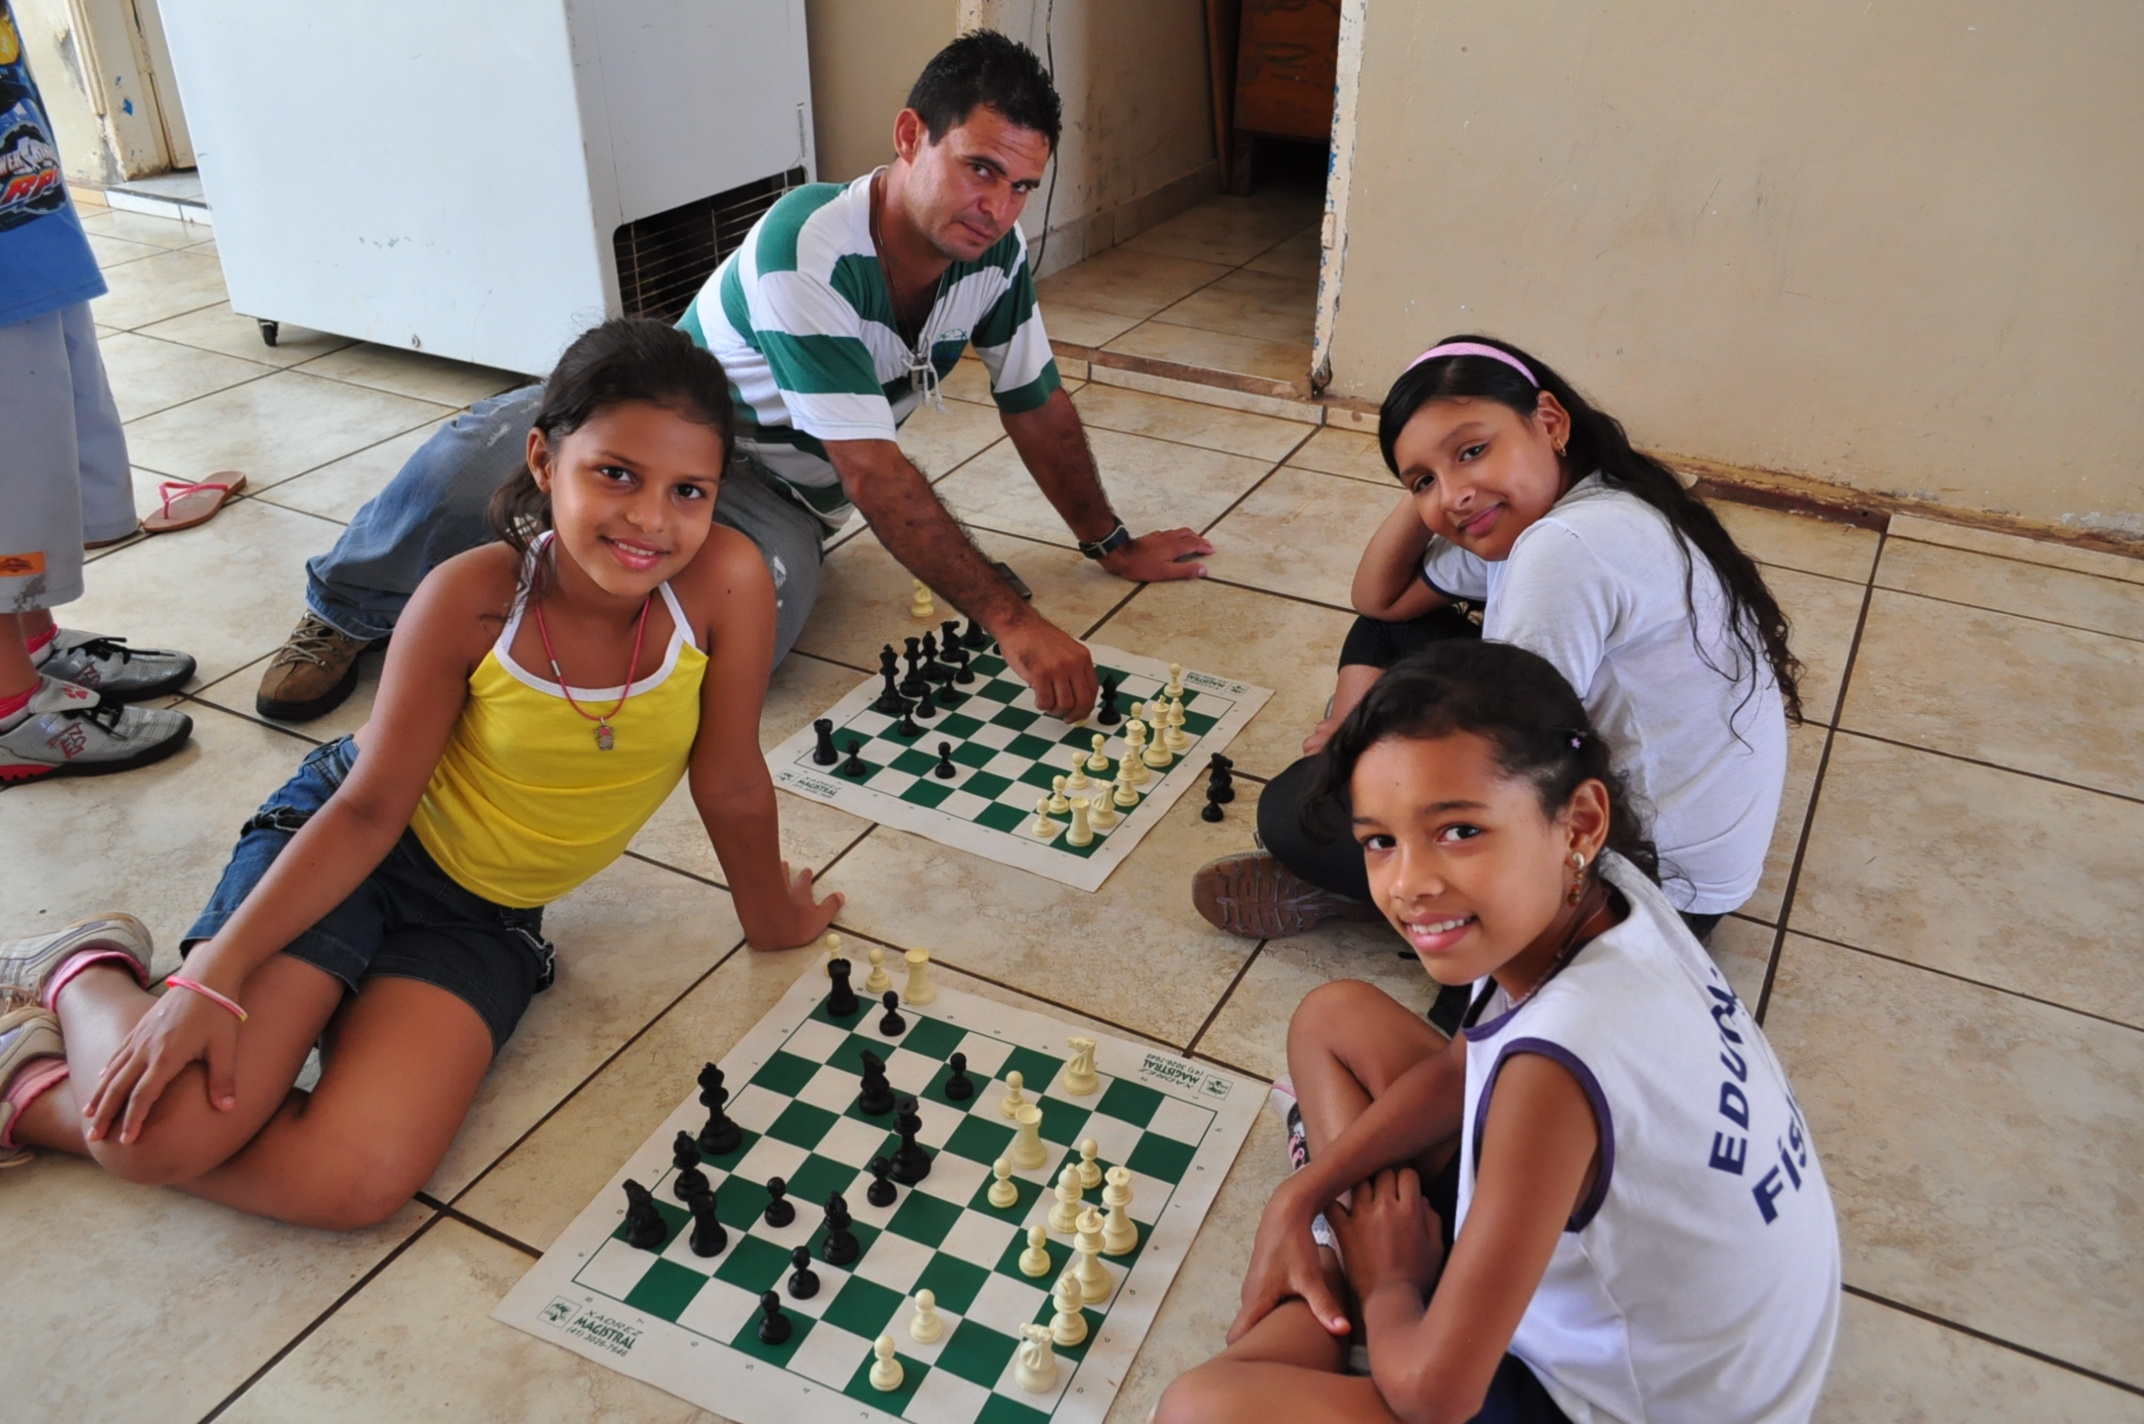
1108, 544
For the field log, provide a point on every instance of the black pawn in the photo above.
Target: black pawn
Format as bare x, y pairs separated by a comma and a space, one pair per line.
841, 999
1106, 713
803, 1281
945, 770
685, 1156
925, 707
876, 1100
822, 752
881, 1192
780, 1210
960, 1087
720, 1136
840, 1247
906, 729
975, 637
854, 766
774, 1326
892, 1025
644, 1225
708, 1235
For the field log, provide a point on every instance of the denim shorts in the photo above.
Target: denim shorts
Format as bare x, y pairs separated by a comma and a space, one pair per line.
407, 920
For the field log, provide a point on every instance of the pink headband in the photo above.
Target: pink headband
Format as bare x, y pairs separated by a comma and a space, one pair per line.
1476, 348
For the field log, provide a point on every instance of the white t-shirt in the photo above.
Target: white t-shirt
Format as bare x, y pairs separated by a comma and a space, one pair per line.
1698, 1283
1596, 587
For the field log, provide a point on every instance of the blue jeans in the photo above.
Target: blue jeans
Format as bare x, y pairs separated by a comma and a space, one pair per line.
438, 504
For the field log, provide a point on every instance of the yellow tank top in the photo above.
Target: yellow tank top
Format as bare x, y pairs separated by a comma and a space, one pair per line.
524, 806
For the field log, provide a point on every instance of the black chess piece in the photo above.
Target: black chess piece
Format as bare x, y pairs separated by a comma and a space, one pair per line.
945, 770
906, 729
1106, 713
708, 1234
803, 1281
822, 751
690, 1180
1211, 811
881, 1192
644, 1225
926, 708
891, 1024
780, 1210
720, 1136
975, 637
854, 767
774, 1326
911, 1161
1220, 786
840, 1247
960, 1087
877, 1097
890, 700
948, 638
841, 999
965, 677
912, 651
930, 653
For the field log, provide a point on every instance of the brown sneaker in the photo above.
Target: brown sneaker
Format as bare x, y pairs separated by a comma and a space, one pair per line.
311, 674
1254, 895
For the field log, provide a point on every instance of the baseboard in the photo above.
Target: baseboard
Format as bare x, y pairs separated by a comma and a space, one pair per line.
1075, 240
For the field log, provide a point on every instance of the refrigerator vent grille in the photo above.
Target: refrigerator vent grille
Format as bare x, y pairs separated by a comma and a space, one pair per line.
664, 260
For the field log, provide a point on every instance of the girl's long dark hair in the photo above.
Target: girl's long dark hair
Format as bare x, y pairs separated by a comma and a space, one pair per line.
625, 359
1598, 442
1515, 701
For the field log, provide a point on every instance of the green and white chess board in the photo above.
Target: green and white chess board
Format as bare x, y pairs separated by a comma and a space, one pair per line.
690, 1325
1004, 754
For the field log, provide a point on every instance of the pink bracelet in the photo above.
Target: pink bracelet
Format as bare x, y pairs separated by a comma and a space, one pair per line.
207, 993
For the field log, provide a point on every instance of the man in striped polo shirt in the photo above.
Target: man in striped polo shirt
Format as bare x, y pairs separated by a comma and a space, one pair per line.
835, 319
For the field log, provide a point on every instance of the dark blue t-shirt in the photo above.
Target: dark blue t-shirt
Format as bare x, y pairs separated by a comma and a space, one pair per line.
45, 261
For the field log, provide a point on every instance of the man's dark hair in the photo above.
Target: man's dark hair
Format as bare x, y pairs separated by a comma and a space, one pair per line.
984, 67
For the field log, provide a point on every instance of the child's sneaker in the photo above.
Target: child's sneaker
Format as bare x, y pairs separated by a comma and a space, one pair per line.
26, 965
25, 1035
109, 666
71, 731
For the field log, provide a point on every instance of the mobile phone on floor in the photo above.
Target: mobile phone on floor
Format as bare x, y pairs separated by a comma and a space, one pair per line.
1019, 585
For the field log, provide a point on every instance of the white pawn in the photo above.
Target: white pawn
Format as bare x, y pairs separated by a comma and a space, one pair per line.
1068, 1326
878, 981
1119, 1233
1003, 1194
1042, 828
1035, 1260
1082, 832
1080, 1078
1090, 1170
1028, 1151
1125, 795
1175, 690
920, 989
928, 1326
1064, 1216
1079, 780
1098, 759
1014, 1098
1101, 814
1174, 738
885, 1370
1087, 1251
1058, 804
833, 952
1037, 1370
919, 601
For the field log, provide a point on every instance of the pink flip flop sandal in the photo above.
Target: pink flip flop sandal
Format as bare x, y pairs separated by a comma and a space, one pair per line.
186, 505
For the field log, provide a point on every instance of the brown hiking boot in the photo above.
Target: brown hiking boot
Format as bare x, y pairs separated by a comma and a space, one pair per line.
311, 674
1253, 895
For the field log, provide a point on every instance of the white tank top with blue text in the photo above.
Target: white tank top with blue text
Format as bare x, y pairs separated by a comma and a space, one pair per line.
1698, 1282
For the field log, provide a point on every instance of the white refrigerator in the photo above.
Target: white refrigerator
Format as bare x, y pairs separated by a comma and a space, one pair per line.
482, 179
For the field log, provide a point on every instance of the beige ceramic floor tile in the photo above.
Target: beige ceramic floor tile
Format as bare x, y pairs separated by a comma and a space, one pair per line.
1346, 452
1822, 614
1216, 351
1211, 427
2058, 702
1797, 541
1251, 1031
1134, 952
418, 1342
1154, 484
218, 328
273, 429
414, 374
166, 285
148, 375
225, 592
113, 251
1263, 305
2000, 878
1226, 230
140, 227
339, 489
1894, 1368
629, 943
1300, 533
1122, 282
1805, 748
1979, 1146
969, 380
2077, 600
1299, 256
1083, 326
93, 1270
1279, 643
2013, 546
937, 441
1743, 950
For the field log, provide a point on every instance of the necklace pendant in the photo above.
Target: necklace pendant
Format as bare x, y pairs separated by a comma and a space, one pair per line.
604, 740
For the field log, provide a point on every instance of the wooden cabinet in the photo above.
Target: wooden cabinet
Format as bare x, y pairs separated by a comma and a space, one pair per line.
1286, 58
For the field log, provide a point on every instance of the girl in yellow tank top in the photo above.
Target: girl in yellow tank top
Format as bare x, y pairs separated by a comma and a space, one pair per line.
542, 697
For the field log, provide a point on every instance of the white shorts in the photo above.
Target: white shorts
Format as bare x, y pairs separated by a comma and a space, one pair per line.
63, 458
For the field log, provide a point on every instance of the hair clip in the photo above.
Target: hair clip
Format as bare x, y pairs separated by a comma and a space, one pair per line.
1577, 742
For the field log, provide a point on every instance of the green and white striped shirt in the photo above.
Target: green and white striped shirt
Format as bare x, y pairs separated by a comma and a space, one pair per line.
802, 320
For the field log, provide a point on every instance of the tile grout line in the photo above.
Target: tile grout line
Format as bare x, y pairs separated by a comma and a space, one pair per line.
1282, 594
1310, 433
483, 1228
2013, 613
1984, 1337
1954, 975
2028, 563
1989, 765
1227, 994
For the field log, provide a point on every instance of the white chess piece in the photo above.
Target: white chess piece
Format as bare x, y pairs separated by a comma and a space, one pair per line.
1156, 753
1175, 689
929, 1326
1042, 828
919, 600
833, 952
1080, 1078
878, 981
1035, 1260
1087, 1251
1068, 1326
1098, 759
1090, 1170
1082, 832
1064, 1215
1079, 780
1037, 1370
920, 989
1125, 795
1119, 1233
1003, 1194
1101, 810
1014, 1098
1028, 1150
1058, 804
1132, 767
1175, 739
885, 1370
